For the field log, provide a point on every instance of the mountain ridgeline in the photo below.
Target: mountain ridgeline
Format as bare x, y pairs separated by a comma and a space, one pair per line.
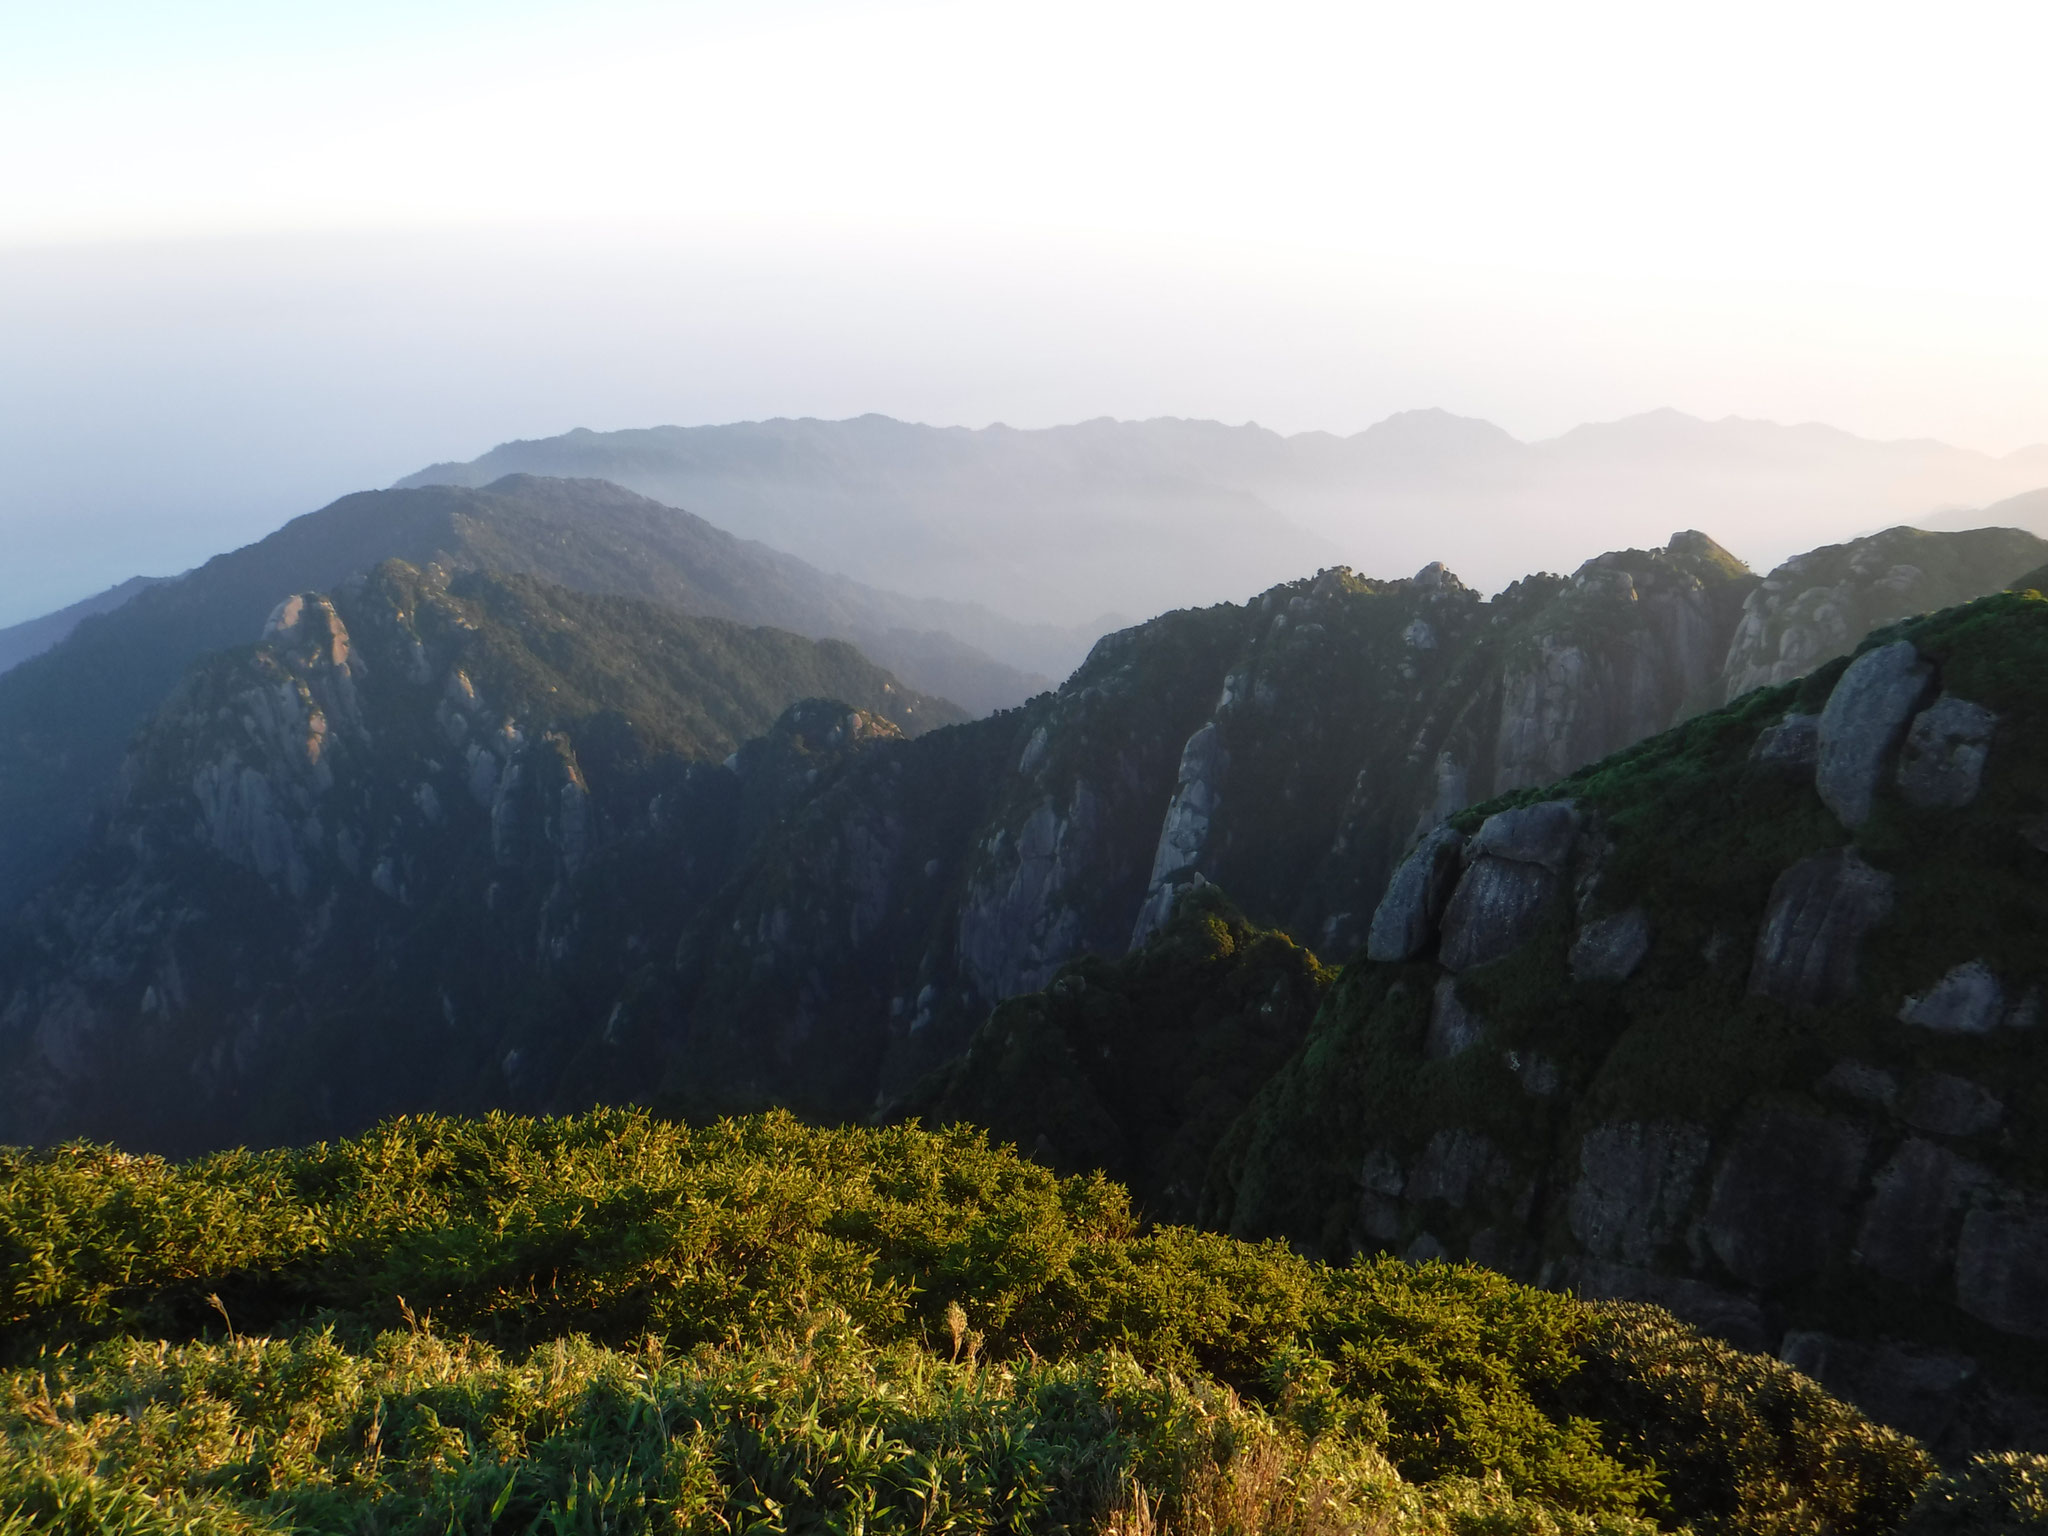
1139, 516
407, 797
458, 839
349, 877
67, 715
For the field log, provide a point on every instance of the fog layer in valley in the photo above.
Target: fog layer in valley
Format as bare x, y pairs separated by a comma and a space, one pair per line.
1136, 518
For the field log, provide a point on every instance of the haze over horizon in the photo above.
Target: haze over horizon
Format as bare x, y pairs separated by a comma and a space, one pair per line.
258, 257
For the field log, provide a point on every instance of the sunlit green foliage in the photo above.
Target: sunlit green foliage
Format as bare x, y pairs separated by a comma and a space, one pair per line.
613, 1322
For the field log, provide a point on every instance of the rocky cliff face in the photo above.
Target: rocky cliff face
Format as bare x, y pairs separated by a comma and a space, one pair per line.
1287, 750
1744, 1021
373, 862
1820, 605
831, 914
67, 716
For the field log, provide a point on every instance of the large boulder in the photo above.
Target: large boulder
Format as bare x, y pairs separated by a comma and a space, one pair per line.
1864, 720
1453, 1028
1530, 834
1610, 948
1498, 905
1405, 920
1967, 1001
1635, 1187
1819, 911
1515, 869
2002, 1266
1794, 743
1915, 1213
1780, 1206
1941, 765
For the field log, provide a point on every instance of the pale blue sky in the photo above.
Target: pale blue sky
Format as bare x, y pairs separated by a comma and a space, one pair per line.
253, 256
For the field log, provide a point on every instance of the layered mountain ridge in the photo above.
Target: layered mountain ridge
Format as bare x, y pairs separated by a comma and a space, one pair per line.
831, 913
66, 715
1140, 516
1744, 1021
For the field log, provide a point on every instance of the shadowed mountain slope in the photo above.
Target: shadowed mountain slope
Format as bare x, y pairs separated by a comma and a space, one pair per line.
66, 716
833, 915
354, 866
34, 636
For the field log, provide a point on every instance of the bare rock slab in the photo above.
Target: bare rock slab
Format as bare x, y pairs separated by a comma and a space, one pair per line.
1941, 764
1780, 1205
1405, 920
1863, 723
1819, 911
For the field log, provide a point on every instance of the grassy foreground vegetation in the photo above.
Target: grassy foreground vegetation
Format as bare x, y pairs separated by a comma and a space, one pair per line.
613, 1323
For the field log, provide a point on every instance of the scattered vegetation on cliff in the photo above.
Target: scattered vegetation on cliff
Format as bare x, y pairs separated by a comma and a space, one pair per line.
1136, 1066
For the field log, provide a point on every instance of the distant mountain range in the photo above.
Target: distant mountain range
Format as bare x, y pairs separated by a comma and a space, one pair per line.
2028, 510
1138, 517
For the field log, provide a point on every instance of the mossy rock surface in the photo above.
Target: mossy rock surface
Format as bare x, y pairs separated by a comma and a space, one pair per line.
1825, 1178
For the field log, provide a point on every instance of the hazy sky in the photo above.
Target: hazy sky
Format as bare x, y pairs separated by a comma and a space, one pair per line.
255, 255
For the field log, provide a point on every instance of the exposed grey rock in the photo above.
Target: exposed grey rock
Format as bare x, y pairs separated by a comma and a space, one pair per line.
1915, 1211
1434, 577
1530, 834
1635, 1188
1794, 742
1819, 911
1919, 1391
1862, 724
1185, 832
1950, 1106
1453, 1028
1611, 948
1967, 1001
1018, 923
2002, 1266
1639, 638
1860, 1081
1405, 920
2034, 833
1456, 1166
1780, 1204
1499, 903
1941, 765
1381, 1182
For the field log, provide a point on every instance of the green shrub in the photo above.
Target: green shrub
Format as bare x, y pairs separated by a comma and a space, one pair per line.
405, 1320
2006, 1492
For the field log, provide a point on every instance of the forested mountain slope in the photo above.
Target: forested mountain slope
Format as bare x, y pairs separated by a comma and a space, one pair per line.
355, 865
832, 915
66, 716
